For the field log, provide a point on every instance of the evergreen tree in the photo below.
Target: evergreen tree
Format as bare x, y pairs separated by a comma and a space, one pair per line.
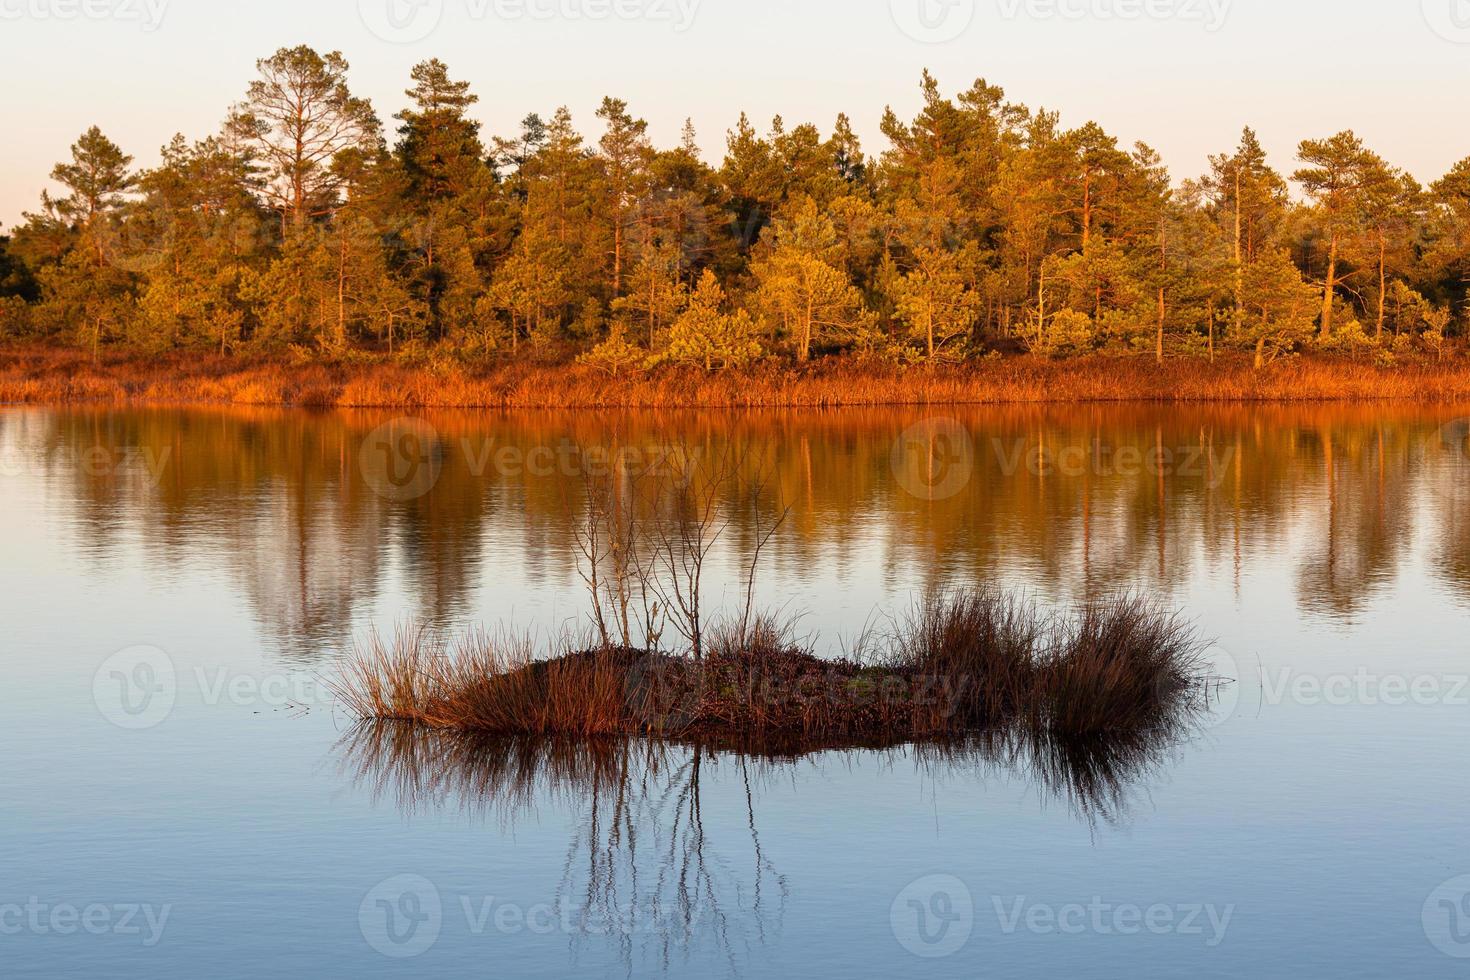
298, 116
1336, 175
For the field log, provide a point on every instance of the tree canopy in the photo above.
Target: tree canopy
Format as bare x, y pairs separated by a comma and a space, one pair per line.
982, 226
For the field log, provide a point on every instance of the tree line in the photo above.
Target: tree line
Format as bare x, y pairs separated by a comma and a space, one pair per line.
984, 226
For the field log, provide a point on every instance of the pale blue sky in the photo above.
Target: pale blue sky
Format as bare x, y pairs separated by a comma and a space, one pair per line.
1397, 71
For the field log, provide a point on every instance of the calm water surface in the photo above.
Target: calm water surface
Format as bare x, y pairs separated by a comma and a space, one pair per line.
180, 797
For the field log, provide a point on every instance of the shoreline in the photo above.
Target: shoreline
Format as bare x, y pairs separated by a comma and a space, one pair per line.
47, 376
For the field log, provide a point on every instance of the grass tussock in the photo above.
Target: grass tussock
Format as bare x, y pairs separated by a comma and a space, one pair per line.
56, 376
962, 662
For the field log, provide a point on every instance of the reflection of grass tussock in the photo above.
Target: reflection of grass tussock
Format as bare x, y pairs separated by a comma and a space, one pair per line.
960, 663
423, 770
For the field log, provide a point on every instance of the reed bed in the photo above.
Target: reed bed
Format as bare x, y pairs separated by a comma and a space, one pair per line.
959, 663
50, 376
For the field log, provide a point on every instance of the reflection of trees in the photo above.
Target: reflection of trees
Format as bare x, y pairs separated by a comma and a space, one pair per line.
1364, 527
277, 497
641, 870
1451, 514
642, 851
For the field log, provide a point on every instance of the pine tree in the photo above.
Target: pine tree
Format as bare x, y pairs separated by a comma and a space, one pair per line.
802, 287
86, 289
935, 301
298, 116
1335, 177
706, 333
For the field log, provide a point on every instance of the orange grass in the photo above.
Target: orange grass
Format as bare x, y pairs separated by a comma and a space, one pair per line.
963, 662
38, 375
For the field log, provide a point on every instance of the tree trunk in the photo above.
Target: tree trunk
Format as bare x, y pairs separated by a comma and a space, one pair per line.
1163, 272
806, 333
1239, 259
1382, 284
1329, 289
1159, 346
1041, 306
342, 294
1086, 211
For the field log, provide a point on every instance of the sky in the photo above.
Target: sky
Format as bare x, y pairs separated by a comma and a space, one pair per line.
1182, 75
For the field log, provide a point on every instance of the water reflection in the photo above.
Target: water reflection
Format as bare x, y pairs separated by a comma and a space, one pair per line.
1072, 501
645, 870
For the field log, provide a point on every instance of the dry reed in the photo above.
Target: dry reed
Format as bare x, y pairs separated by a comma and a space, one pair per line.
40, 375
962, 662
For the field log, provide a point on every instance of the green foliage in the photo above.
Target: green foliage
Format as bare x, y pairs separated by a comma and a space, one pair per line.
616, 355
1278, 307
981, 225
706, 334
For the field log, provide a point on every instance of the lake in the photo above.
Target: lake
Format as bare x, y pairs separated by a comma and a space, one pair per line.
182, 796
